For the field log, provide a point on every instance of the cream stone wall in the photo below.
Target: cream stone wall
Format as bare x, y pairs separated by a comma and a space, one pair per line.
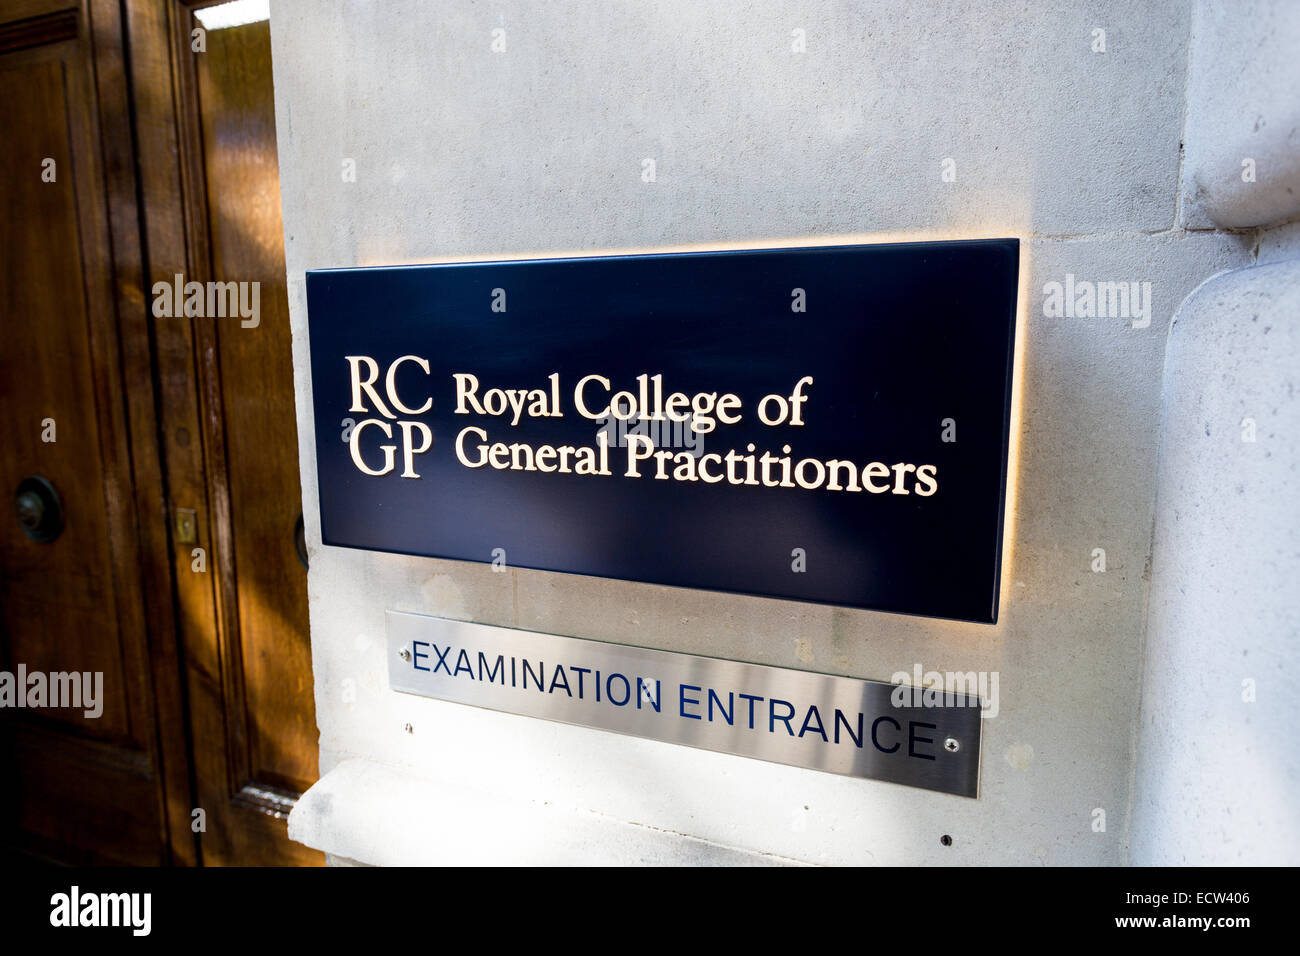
1048, 130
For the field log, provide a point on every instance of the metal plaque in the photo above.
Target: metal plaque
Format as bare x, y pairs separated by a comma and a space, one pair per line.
818, 721
820, 424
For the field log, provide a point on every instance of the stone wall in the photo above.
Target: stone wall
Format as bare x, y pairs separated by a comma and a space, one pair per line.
767, 124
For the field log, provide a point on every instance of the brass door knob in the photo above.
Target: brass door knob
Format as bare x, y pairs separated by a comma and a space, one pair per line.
38, 509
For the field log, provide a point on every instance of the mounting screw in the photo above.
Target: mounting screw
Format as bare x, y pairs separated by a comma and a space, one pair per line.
408, 728
952, 745
404, 653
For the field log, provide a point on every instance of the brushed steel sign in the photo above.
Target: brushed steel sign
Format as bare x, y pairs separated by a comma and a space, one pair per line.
818, 721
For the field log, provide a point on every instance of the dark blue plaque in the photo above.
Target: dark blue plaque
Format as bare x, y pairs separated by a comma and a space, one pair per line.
822, 424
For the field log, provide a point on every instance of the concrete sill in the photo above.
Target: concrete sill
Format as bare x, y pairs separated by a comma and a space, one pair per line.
370, 813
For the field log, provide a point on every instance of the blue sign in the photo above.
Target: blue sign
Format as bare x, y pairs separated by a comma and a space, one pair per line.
821, 424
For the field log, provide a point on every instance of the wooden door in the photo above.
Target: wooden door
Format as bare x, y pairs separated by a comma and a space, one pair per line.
84, 589
175, 574
212, 211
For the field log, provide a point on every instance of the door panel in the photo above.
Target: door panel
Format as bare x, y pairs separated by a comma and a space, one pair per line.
58, 596
87, 788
